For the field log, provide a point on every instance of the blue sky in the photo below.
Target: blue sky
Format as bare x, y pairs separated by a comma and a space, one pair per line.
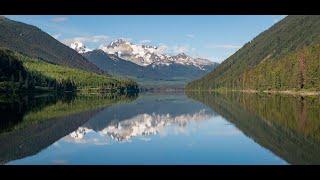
212, 37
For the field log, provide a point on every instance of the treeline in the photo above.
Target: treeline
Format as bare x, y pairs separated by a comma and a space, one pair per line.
271, 60
15, 77
35, 43
21, 73
298, 71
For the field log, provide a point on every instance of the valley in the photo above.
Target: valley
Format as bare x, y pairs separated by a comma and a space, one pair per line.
146, 64
33, 61
159, 90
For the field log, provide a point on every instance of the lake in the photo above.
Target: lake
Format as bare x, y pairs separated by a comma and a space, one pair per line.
160, 128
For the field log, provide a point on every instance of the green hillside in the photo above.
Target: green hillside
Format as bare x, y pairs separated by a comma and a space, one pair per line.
286, 56
21, 73
35, 43
298, 70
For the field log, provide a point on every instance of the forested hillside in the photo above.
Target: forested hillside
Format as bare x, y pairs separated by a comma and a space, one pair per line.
298, 70
286, 56
35, 43
21, 73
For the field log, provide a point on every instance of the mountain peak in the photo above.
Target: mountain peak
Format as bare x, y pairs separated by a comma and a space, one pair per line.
121, 40
145, 55
182, 55
118, 42
79, 47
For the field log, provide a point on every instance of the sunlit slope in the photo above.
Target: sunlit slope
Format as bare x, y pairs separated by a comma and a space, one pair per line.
278, 58
35, 43
19, 72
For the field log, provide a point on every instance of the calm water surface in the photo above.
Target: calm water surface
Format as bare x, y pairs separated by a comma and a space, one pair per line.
160, 128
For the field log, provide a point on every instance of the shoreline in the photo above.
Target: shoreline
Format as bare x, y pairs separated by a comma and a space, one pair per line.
286, 92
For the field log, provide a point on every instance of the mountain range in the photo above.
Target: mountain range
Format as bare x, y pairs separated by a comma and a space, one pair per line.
32, 60
144, 62
284, 57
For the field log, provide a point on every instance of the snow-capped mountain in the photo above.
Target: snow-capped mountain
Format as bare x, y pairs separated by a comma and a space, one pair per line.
144, 62
142, 55
117, 66
79, 47
145, 55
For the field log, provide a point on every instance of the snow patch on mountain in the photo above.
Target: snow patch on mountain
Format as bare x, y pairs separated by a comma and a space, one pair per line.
79, 47
145, 55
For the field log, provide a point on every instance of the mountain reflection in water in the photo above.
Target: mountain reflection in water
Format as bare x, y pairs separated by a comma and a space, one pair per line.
142, 125
148, 115
161, 128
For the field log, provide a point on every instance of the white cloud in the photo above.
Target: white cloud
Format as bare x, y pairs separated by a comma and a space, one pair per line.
56, 36
97, 38
223, 46
162, 49
186, 48
85, 39
173, 50
181, 49
59, 19
145, 41
190, 36
123, 38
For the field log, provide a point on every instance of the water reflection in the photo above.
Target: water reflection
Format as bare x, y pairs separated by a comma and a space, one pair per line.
150, 124
199, 128
149, 115
31, 123
288, 126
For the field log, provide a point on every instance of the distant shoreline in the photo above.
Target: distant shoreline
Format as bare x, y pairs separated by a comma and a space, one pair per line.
287, 92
